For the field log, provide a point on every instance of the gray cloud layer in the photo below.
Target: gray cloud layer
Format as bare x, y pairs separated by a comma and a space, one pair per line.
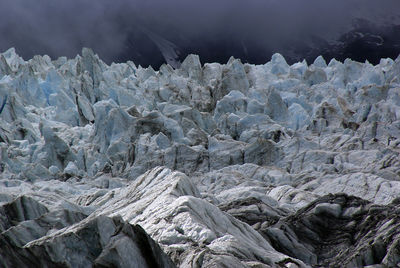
58, 27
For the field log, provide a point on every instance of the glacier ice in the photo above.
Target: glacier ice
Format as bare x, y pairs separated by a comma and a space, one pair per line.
233, 165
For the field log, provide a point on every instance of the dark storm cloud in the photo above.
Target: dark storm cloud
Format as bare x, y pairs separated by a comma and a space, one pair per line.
58, 27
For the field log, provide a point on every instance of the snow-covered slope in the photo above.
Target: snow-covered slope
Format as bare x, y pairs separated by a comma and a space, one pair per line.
231, 165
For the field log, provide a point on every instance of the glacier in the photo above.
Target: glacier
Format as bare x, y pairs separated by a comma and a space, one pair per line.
205, 165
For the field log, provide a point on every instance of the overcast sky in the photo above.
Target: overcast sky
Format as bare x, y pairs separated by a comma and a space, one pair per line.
59, 27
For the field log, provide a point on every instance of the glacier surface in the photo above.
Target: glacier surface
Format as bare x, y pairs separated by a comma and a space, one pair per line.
214, 165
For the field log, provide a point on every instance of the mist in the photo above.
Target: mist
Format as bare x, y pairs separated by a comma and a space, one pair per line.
122, 30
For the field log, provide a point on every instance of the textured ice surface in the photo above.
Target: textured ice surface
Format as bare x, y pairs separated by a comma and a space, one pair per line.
231, 165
